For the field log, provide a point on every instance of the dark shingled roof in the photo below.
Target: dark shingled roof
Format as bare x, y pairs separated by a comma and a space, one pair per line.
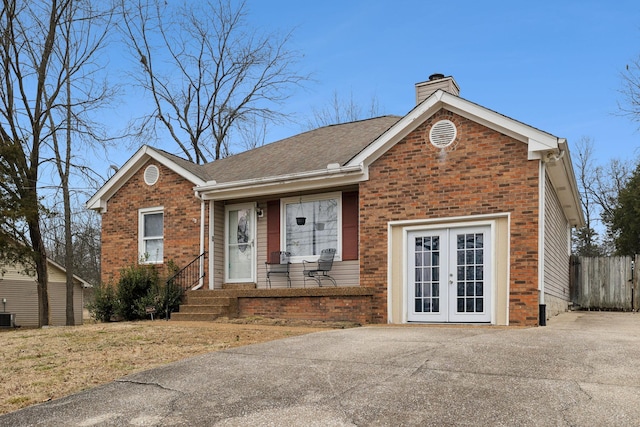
307, 151
197, 170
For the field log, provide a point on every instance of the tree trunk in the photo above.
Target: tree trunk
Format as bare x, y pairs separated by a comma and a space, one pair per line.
40, 259
68, 240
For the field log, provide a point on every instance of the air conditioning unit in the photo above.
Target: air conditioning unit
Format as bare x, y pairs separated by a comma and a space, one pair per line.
7, 320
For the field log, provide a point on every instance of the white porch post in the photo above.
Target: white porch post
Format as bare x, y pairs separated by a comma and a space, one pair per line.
211, 243
202, 237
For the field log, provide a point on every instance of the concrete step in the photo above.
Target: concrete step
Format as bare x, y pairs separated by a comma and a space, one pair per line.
207, 300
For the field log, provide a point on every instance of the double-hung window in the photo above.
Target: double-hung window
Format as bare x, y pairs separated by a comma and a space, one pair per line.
151, 235
311, 224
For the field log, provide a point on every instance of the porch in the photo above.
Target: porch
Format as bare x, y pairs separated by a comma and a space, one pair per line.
336, 304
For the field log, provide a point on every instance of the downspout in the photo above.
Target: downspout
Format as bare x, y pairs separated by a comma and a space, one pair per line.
550, 156
542, 308
202, 214
212, 222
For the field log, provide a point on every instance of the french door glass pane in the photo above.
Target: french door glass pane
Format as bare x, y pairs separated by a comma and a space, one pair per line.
426, 274
470, 270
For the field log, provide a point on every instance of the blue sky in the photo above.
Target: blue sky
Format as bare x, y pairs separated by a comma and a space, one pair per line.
554, 65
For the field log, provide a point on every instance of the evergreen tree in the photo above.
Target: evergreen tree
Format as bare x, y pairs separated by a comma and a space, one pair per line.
625, 221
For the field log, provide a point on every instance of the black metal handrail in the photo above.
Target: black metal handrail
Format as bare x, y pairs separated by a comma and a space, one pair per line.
184, 279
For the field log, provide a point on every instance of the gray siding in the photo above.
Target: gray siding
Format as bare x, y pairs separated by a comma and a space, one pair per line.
261, 247
22, 298
218, 245
556, 246
58, 303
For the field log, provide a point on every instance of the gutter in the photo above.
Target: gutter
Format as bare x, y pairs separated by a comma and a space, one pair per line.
212, 190
552, 156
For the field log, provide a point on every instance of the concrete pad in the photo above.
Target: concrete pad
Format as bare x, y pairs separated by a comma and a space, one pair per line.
581, 369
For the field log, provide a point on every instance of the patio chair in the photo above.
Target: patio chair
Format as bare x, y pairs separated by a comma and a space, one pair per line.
319, 270
278, 263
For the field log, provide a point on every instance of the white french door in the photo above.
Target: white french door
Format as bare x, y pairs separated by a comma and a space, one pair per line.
240, 253
449, 275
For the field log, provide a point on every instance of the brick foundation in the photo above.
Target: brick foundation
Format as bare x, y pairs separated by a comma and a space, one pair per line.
322, 308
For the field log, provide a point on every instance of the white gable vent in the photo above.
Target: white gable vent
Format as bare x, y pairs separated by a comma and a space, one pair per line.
443, 133
151, 174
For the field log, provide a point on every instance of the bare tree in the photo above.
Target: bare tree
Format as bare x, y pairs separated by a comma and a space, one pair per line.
207, 72
85, 242
630, 105
599, 186
340, 111
45, 87
81, 36
586, 238
253, 133
29, 31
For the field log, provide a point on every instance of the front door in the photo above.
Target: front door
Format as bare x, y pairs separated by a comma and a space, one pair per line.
240, 262
449, 275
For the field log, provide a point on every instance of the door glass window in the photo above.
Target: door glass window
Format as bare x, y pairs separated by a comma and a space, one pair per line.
470, 273
240, 252
427, 274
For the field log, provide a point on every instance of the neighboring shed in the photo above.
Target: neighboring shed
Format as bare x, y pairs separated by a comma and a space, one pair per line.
19, 295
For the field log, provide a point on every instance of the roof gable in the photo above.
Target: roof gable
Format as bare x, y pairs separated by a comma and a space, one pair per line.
538, 142
15, 271
188, 170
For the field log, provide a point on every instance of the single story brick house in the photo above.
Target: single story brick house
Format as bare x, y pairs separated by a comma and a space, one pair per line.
19, 295
451, 213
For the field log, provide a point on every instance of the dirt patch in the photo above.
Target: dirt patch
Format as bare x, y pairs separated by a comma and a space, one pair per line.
44, 364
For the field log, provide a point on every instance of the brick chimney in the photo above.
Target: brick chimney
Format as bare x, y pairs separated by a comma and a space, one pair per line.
435, 82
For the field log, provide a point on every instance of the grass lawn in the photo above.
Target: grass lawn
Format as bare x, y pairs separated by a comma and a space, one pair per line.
44, 364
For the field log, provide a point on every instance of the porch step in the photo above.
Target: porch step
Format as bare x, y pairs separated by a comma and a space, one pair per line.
207, 299
205, 306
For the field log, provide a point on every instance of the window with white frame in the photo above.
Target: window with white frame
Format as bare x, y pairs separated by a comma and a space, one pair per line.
151, 235
311, 224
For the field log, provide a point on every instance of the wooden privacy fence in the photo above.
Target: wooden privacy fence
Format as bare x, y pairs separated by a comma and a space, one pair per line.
605, 283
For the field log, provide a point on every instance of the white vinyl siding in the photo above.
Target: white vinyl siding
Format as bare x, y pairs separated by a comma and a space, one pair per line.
556, 246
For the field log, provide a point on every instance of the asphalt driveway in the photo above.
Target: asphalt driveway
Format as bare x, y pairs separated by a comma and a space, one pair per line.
583, 369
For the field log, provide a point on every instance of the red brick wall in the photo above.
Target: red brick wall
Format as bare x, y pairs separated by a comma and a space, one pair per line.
120, 222
486, 172
325, 308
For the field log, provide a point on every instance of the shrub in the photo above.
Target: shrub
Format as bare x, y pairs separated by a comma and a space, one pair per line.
135, 283
140, 286
160, 296
104, 304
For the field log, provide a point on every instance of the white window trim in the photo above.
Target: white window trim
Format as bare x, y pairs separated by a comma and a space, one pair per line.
309, 198
141, 252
